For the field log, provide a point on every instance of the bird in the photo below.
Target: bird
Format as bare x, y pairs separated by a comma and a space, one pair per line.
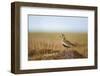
66, 43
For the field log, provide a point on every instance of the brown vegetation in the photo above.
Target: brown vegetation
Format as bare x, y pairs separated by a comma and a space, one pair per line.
48, 46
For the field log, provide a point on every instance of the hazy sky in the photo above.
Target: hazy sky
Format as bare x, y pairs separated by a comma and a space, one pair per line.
57, 24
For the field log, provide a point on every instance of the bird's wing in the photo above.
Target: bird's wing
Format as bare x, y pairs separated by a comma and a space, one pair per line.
65, 44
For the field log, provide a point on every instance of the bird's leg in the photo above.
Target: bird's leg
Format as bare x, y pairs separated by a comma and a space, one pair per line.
66, 49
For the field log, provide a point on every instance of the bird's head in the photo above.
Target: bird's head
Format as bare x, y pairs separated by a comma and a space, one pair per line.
62, 36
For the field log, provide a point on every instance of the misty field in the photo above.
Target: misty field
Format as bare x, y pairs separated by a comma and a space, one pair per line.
48, 46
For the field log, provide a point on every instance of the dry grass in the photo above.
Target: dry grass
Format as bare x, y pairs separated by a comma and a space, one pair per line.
48, 46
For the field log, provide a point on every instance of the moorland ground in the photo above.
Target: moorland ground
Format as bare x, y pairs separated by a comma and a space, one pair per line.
48, 46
